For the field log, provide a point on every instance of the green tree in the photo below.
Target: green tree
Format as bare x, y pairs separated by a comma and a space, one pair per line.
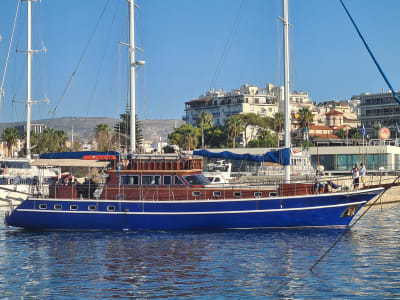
376, 128
278, 124
103, 137
216, 137
185, 137
305, 117
10, 136
204, 122
122, 128
341, 133
234, 125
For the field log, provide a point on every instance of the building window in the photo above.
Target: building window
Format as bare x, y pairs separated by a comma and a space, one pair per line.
196, 194
42, 206
237, 194
151, 179
257, 194
217, 194
177, 180
92, 207
167, 180
57, 206
110, 208
273, 194
129, 179
73, 207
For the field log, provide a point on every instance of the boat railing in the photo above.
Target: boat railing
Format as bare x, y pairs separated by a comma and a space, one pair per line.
255, 189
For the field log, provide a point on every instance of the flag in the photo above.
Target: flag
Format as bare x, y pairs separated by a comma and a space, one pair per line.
397, 128
364, 134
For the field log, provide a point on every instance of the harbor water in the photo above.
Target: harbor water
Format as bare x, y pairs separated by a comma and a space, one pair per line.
225, 264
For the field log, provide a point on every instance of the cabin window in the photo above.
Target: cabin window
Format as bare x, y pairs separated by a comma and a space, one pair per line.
92, 207
257, 194
237, 194
57, 206
273, 194
177, 180
73, 207
110, 208
151, 180
217, 194
167, 180
196, 194
129, 179
42, 206
193, 180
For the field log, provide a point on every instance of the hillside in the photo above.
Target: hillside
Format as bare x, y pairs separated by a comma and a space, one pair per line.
84, 127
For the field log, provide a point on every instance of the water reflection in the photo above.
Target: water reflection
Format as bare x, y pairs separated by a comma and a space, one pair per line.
269, 263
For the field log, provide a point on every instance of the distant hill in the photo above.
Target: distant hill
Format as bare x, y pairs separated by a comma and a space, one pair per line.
84, 127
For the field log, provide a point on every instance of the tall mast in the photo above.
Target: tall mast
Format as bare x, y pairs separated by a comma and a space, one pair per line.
132, 76
286, 78
28, 82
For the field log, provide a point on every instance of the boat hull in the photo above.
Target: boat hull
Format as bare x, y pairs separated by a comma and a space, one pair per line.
330, 210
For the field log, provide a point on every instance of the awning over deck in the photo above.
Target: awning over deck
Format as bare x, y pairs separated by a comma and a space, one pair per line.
70, 163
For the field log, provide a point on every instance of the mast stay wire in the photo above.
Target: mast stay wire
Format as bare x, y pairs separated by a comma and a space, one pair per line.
102, 59
354, 223
370, 53
80, 59
228, 44
8, 53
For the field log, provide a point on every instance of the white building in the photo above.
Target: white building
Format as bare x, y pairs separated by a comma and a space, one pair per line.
247, 99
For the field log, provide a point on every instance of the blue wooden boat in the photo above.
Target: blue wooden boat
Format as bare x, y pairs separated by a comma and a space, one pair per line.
169, 192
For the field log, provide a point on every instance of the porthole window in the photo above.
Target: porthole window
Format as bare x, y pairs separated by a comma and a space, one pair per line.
57, 206
257, 194
110, 208
237, 194
196, 194
73, 207
217, 194
92, 207
42, 206
273, 194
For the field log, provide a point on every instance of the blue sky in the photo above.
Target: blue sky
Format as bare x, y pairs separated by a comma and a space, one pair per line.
184, 42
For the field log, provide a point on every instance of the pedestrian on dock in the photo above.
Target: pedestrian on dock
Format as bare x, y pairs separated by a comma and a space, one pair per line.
363, 173
356, 177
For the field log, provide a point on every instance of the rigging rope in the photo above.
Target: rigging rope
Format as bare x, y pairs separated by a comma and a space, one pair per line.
9, 51
370, 53
354, 223
80, 59
228, 44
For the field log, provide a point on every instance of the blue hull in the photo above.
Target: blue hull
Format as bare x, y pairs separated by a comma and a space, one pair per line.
336, 209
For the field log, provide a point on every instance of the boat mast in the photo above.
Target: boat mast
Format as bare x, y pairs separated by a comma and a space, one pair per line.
28, 81
132, 76
286, 78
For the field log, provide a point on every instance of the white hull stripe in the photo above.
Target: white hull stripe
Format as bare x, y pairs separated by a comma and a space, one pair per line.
189, 212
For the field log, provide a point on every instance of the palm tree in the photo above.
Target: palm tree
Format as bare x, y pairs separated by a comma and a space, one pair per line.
235, 127
376, 128
205, 121
306, 117
10, 136
278, 124
103, 136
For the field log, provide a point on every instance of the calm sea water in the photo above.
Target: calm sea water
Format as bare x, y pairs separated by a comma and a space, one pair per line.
229, 264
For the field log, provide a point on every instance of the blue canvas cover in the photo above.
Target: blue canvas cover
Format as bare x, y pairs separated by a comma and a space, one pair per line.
281, 156
74, 155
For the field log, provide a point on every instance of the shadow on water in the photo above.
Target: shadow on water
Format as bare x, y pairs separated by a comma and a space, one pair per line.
242, 263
